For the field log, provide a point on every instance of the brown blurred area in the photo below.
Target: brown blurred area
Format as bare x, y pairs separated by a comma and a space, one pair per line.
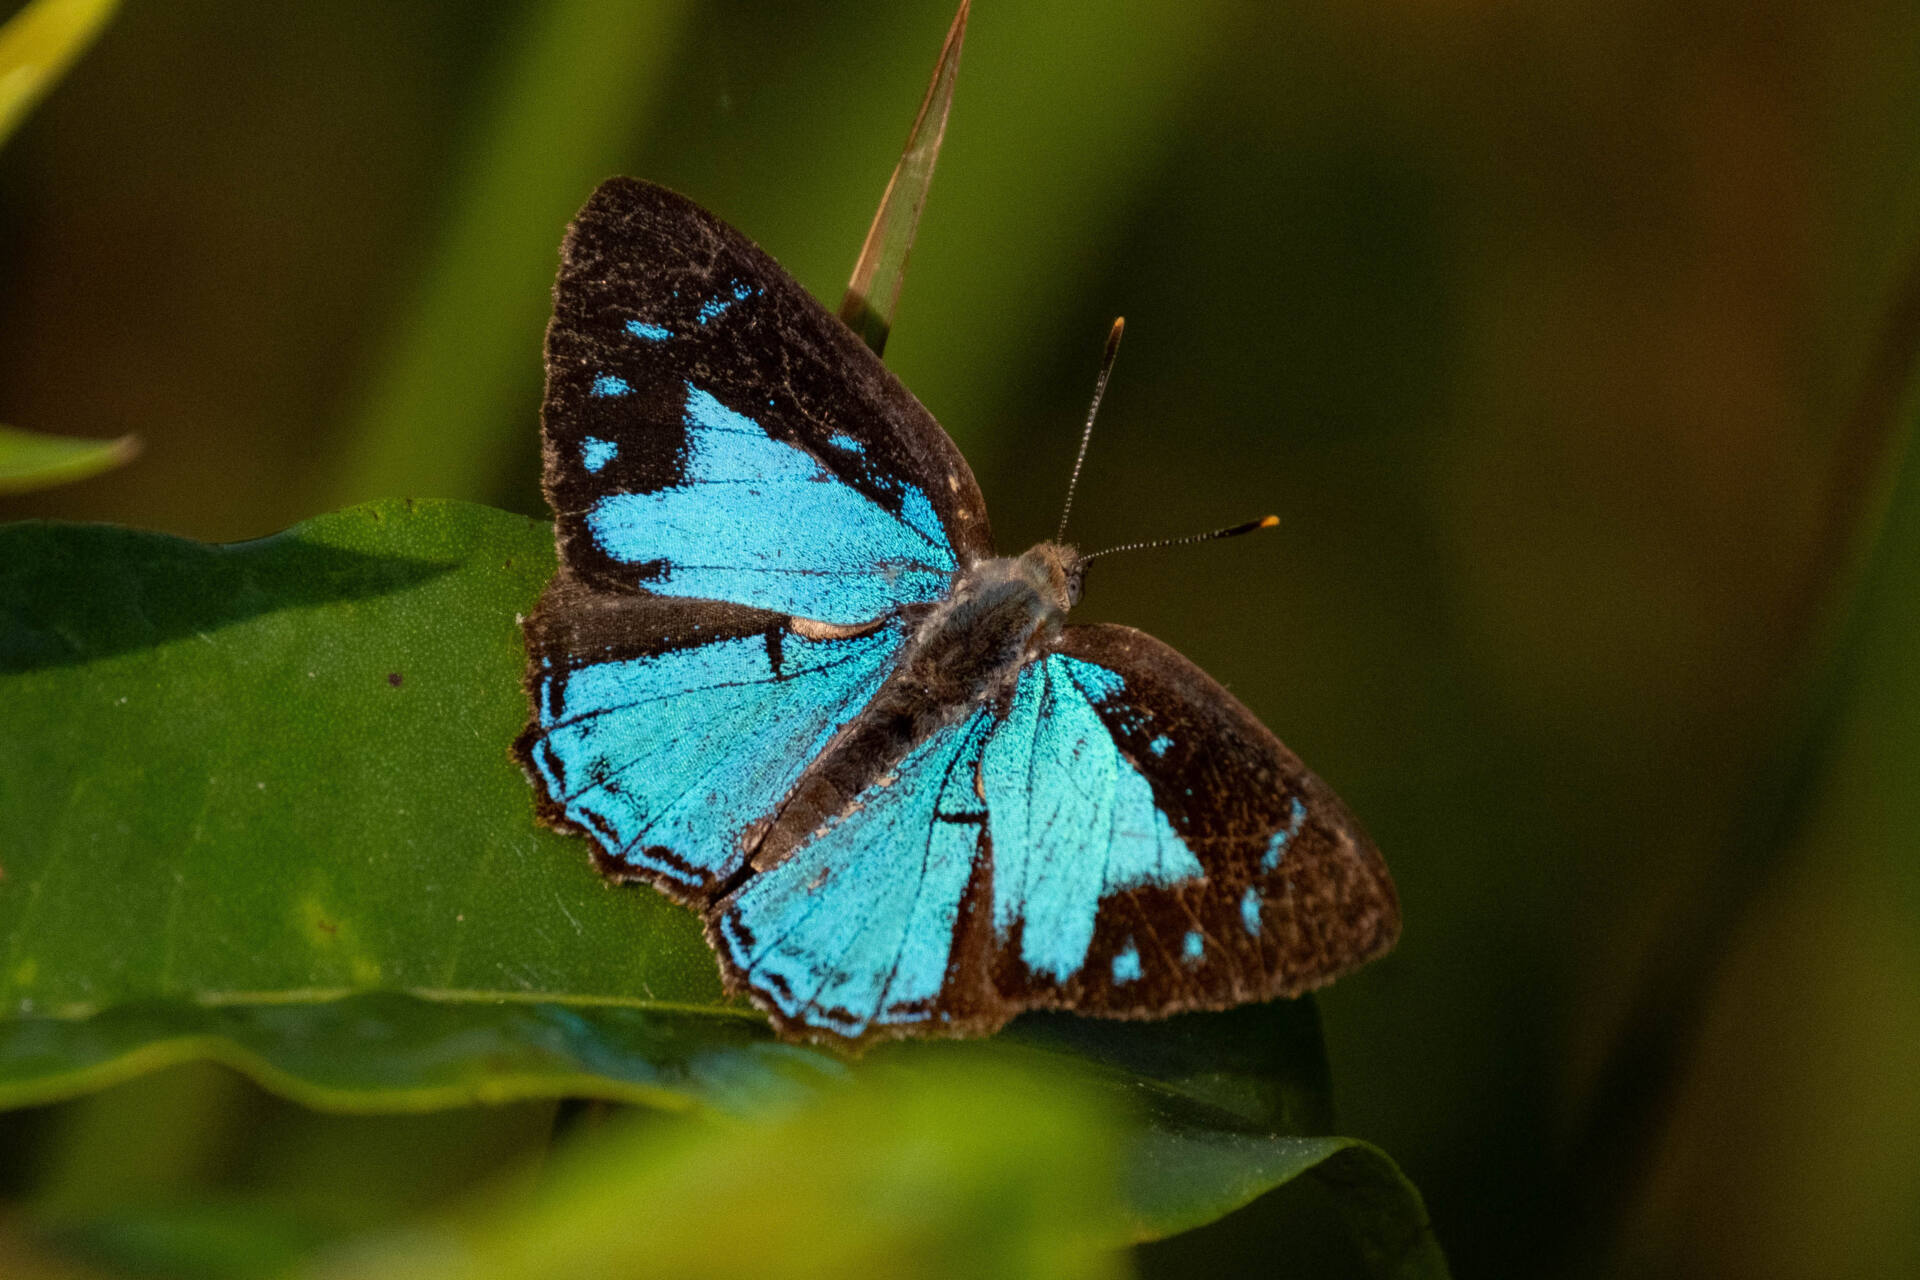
1544, 327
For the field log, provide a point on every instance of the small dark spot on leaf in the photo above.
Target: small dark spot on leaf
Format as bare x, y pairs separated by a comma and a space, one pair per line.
509, 563
393, 678
326, 926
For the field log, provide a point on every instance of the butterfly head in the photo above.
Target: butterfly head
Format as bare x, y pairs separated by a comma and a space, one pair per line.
1056, 571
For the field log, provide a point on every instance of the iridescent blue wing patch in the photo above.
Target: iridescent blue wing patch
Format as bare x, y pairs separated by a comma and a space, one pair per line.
1115, 835
713, 434
1227, 871
855, 929
746, 502
667, 733
779, 675
761, 521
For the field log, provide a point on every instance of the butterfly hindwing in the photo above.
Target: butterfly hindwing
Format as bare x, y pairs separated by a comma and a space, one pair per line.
712, 433
855, 930
1116, 835
1290, 894
665, 730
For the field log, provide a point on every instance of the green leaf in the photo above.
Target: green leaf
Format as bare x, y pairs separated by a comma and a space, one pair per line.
987, 1171
376, 1052
257, 806
36, 46
873, 294
29, 460
1222, 1107
278, 770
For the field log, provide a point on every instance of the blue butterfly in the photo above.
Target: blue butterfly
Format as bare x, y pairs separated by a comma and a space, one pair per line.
782, 676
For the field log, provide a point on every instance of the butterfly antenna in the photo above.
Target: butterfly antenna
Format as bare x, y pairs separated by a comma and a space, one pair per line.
1086, 437
1251, 526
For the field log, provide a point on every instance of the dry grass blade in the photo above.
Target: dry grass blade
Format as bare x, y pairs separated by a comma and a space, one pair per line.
873, 294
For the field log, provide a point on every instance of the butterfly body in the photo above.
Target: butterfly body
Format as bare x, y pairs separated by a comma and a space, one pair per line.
962, 653
782, 676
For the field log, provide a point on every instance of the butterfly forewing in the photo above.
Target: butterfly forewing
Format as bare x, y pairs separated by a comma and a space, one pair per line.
712, 433
745, 499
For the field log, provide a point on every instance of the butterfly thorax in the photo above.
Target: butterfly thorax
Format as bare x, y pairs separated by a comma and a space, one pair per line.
997, 613
964, 652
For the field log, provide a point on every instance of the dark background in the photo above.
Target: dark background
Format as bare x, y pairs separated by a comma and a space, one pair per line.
1545, 327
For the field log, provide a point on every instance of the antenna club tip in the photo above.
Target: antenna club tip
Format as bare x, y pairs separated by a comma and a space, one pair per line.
1268, 522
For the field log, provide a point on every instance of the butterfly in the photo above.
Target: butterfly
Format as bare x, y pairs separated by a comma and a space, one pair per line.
781, 675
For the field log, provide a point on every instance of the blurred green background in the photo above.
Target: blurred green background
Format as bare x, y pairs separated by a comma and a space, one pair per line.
1546, 327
